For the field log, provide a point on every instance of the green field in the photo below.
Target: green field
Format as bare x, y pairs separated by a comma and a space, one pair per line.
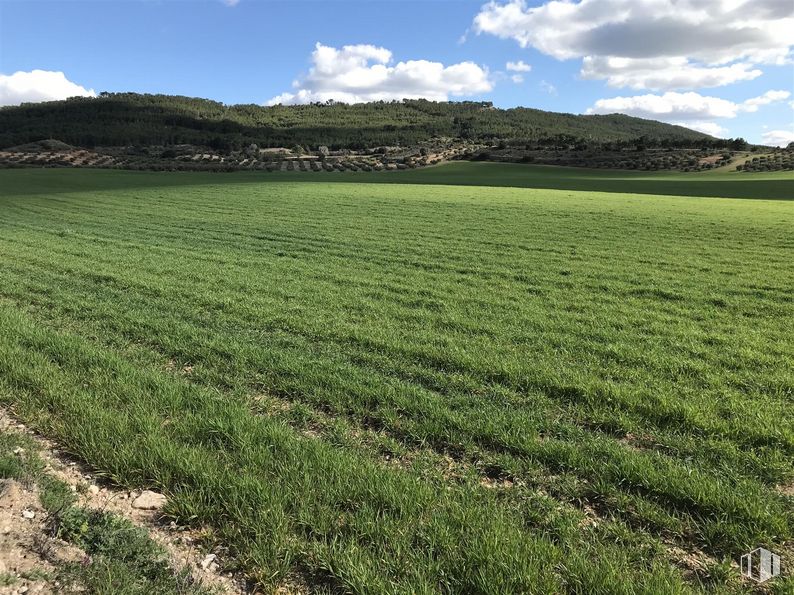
715, 184
580, 387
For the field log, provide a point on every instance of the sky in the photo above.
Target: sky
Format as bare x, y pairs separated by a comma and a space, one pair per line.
725, 67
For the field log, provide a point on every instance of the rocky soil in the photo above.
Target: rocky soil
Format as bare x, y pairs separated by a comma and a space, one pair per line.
29, 553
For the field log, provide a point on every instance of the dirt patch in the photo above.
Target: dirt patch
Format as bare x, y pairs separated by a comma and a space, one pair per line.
710, 159
693, 562
28, 556
26, 549
786, 489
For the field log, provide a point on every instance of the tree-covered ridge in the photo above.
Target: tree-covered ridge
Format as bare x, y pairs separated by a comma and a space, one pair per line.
117, 119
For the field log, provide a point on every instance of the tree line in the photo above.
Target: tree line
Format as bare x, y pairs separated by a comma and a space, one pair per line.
124, 119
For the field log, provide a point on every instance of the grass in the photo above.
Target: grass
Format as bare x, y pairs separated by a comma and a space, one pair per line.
121, 559
420, 388
716, 184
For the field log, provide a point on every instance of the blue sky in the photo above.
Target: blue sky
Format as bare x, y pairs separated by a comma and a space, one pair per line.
724, 66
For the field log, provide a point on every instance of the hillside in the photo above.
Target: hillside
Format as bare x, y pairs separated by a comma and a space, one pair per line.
133, 119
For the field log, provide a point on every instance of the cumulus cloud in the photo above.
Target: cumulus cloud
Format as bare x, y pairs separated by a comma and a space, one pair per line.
519, 66
517, 79
670, 106
751, 105
38, 85
687, 109
710, 128
778, 138
360, 73
663, 73
683, 106
651, 44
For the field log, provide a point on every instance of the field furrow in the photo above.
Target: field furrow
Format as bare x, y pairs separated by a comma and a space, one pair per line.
347, 381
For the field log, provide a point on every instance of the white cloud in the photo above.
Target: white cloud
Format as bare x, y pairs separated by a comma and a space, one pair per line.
360, 73
711, 128
548, 88
651, 44
683, 106
519, 66
778, 138
670, 106
517, 79
751, 105
686, 109
38, 85
663, 73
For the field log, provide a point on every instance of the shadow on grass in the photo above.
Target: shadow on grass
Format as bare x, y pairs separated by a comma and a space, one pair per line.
773, 186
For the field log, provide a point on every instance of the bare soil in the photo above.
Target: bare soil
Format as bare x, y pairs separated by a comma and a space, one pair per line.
26, 548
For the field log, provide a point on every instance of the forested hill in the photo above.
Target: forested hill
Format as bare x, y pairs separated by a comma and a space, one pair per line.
121, 119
